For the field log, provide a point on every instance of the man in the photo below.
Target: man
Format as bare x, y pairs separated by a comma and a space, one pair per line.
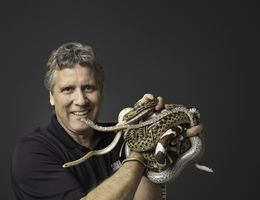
74, 79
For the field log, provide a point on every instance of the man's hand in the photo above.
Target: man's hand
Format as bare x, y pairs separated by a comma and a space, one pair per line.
195, 130
147, 97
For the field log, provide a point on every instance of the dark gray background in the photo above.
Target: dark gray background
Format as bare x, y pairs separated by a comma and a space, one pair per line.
191, 52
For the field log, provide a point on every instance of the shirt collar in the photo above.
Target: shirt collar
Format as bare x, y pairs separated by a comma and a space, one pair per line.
58, 131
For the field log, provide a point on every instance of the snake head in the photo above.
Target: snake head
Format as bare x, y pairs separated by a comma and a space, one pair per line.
88, 122
196, 114
195, 111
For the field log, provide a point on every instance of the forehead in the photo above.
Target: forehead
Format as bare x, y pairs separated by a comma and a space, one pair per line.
76, 75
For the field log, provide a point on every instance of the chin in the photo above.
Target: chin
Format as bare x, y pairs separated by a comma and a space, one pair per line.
80, 129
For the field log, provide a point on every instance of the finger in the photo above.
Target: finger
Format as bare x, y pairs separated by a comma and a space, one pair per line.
160, 105
195, 130
146, 98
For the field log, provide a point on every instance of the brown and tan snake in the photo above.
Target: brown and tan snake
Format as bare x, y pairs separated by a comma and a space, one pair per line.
159, 136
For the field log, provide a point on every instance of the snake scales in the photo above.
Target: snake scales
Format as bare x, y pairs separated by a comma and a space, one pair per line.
160, 137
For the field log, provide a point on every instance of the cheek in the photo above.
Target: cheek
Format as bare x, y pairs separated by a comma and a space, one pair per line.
98, 103
61, 103
96, 98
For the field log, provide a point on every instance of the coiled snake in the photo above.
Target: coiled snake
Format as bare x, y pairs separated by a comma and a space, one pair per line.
159, 136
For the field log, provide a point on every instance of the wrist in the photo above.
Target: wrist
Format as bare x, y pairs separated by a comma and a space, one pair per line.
136, 155
137, 158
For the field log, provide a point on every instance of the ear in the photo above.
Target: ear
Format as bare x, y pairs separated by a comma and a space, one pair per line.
51, 99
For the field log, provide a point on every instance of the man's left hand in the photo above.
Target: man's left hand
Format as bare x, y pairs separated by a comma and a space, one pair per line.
195, 130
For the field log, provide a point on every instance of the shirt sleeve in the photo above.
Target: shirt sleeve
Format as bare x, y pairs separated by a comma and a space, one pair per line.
37, 173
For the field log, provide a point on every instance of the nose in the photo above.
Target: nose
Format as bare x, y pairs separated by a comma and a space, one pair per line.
80, 98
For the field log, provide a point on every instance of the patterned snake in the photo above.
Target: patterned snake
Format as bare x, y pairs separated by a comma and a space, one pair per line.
160, 138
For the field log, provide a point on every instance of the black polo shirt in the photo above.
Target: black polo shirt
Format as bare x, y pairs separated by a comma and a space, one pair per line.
37, 161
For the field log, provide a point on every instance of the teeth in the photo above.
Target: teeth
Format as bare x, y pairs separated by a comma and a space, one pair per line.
81, 113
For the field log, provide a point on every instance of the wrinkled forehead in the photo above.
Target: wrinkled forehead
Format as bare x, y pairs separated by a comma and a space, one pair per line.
76, 74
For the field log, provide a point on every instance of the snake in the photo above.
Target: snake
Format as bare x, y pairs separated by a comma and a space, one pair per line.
160, 137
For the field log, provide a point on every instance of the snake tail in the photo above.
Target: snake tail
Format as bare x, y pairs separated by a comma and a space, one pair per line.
95, 152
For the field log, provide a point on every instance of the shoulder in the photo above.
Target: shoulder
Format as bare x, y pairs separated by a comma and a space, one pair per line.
34, 150
36, 163
39, 139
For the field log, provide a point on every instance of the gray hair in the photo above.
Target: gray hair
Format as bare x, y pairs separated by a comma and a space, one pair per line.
67, 56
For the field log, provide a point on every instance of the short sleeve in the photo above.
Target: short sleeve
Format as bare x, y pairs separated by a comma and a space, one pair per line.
37, 173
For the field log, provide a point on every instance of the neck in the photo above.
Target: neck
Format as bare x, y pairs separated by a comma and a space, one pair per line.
83, 138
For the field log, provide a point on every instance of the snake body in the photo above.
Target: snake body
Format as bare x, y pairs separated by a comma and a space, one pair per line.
155, 135
173, 171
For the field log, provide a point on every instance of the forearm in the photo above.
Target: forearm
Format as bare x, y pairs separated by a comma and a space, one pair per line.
148, 190
122, 185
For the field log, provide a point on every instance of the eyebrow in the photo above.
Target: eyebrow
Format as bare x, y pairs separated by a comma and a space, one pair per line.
66, 86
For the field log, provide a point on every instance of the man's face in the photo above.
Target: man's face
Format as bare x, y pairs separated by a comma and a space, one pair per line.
76, 95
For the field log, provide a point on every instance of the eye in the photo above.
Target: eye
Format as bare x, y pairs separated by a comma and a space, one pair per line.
89, 88
67, 89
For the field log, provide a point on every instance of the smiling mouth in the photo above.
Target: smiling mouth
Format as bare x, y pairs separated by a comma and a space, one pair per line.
81, 113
